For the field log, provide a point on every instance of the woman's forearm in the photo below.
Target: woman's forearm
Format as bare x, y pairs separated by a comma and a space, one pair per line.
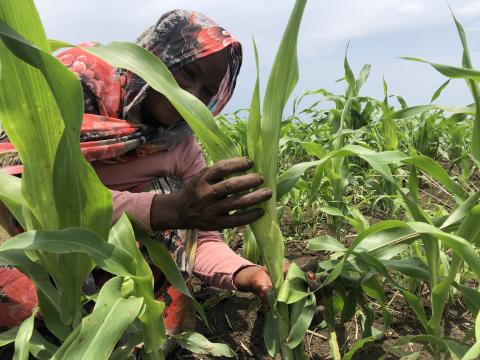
137, 205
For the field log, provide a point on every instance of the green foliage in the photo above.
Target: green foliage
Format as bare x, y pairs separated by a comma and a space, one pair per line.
362, 160
391, 184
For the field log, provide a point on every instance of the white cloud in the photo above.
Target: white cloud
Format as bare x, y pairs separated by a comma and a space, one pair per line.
469, 10
347, 19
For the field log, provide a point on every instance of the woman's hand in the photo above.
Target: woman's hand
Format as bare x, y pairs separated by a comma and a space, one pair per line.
208, 198
254, 279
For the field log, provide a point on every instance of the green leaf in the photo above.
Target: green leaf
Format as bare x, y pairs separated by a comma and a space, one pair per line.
467, 63
100, 331
440, 293
413, 184
270, 334
327, 243
413, 111
349, 76
48, 296
350, 305
474, 351
359, 345
7, 337
40, 348
16, 74
461, 211
301, 316
59, 110
421, 339
459, 245
363, 76
22, 340
451, 71
123, 236
386, 238
154, 332
11, 196
374, 289
469, 228
254, 116
472, 77
162, 259
332, 211
439, 90
471, 297
435, 170
199, 344
295, 286
124, 351
457, 351
57, 44
107, 256
283, 78
151, 69
47, 99
251, 251
412, 267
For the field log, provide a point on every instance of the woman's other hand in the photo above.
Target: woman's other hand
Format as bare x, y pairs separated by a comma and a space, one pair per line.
254, 279
207, 200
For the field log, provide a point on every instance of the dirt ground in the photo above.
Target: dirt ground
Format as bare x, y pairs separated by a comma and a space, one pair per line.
236, 324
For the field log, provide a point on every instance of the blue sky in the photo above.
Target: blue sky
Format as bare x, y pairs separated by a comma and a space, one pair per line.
379, 31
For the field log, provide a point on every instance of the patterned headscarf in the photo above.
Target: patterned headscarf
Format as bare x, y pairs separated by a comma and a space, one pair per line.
178, 38
113, 124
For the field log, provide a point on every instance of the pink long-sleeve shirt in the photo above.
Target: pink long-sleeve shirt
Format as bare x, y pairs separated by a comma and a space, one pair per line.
215, 262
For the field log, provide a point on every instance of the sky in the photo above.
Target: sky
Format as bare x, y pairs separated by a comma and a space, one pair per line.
379, 32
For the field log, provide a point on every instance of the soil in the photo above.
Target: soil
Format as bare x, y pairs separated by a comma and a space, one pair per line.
235, 323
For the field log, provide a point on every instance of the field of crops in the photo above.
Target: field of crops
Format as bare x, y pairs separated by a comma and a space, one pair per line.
378, 199
335, 202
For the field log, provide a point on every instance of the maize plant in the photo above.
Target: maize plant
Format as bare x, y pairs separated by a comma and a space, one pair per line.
284, 328
283, 331
41, 106
440, 244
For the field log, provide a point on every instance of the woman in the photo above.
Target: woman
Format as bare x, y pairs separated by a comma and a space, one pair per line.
146, 154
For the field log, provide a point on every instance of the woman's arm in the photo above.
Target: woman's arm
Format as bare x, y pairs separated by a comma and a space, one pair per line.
218, 265
138, 205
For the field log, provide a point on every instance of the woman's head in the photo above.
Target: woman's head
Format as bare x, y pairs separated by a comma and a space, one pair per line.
203, 57
201, 78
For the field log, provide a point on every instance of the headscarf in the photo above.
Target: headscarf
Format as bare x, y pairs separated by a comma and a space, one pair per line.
178, 38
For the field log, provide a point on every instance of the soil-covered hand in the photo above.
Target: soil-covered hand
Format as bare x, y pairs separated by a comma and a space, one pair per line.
254, 279
207, 200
